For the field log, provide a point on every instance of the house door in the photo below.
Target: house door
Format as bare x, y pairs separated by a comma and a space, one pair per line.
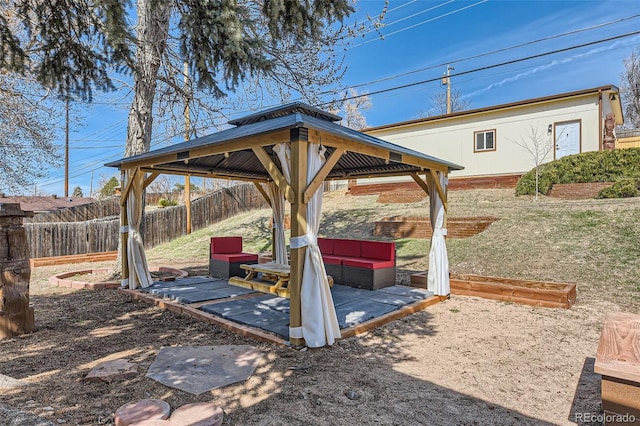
567, 139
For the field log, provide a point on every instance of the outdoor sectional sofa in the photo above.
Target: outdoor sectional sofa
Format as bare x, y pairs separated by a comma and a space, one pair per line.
361, 264
226, 256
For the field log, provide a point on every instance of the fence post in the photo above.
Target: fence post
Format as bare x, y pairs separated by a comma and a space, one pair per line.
16, 316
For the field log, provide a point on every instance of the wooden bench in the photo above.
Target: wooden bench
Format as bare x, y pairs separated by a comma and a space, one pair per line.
270, 278
618, 361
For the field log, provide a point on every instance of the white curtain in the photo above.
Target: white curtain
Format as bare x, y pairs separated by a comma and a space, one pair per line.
319, 320
139, 275
279, 245
438, 275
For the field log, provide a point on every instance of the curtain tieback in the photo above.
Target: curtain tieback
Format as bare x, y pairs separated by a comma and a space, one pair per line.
440, 232
304, 241
295, 333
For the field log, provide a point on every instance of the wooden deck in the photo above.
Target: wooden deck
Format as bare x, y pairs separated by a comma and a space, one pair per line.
265, 317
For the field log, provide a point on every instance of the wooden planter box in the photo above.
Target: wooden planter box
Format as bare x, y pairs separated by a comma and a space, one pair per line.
535, 293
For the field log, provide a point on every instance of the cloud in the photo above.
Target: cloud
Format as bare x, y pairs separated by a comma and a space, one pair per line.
554, 63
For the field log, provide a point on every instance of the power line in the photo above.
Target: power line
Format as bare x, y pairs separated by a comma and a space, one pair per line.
383, 25
481, 55
513, 61
421, 23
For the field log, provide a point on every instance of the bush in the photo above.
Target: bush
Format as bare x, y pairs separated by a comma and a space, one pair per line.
622, 188
163, 202
597, 166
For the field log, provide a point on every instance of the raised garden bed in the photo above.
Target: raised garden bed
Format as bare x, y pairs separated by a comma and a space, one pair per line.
420, 227
75, 258
74, 279
528, 292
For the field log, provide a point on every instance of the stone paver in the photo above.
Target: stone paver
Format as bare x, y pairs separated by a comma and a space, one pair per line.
198, 414
108, 371
144, 409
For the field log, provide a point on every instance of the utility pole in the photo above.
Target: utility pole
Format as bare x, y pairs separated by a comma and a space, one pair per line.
447, 80
66, 152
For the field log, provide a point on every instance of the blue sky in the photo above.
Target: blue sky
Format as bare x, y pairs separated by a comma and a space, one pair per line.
420, 38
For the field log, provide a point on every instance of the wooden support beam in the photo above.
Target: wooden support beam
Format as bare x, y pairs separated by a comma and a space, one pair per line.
192, 173
275, 173
210, 149
262, 192
422, 184
326, 139
152, 176
318, 179
127, 189
299, 150
436, 182
187, 202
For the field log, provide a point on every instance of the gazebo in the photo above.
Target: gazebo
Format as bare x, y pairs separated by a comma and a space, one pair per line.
288, 152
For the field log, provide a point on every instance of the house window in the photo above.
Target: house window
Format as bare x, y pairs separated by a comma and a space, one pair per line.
485, 140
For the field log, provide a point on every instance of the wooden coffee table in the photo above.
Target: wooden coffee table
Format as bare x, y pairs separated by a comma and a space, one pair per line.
271, 278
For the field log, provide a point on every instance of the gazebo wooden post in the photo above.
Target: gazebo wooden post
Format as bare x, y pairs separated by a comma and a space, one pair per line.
299, 146
124, 232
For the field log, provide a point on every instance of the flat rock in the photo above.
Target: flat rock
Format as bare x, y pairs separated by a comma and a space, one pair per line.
197, 414
10, 416
7, 382
108, 371
198, 369
142, 410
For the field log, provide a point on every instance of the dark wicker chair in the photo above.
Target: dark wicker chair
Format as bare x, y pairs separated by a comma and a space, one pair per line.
226, 256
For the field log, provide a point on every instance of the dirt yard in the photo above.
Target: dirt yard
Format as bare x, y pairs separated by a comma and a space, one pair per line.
465, 361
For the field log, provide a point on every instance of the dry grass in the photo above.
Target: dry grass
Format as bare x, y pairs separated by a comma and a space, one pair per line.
593, 243
464, 361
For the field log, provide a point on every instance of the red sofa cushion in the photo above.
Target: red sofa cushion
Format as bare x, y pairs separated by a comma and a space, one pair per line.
326, 245
332, 260
235, 257
346, 248
368, 263
378, 250
226, 245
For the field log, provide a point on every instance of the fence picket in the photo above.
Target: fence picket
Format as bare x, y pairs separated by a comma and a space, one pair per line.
98, 230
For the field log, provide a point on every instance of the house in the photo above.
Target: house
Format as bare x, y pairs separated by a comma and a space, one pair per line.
488, 142
45, 204
628, 138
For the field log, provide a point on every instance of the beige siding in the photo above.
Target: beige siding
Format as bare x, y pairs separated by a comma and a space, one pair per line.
632, 142
452, 139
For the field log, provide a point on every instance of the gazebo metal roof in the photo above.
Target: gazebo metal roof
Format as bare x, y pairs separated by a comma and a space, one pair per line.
246, 152
229, 153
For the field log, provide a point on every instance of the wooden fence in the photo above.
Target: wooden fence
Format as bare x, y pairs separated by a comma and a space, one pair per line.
109, 207
160, 226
